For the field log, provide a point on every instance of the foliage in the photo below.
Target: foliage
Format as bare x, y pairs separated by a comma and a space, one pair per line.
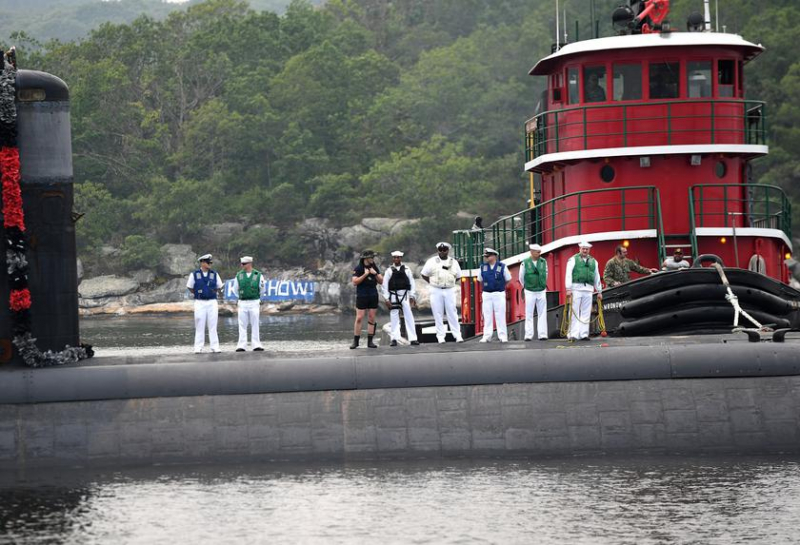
217, 111
138, 252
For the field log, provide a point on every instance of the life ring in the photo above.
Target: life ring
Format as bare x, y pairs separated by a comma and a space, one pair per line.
706, 258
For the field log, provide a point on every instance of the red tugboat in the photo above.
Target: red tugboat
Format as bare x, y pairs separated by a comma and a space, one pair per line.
645, 139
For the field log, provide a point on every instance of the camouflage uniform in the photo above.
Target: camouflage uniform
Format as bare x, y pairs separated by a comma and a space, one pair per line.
618, 272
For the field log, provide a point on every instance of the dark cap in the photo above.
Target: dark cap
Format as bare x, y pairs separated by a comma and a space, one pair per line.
367, 254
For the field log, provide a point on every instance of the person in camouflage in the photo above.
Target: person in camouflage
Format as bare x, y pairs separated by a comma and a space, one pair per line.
618, 268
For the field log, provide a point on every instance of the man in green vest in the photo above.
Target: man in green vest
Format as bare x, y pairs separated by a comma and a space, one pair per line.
248, 286
581, 280
533, 277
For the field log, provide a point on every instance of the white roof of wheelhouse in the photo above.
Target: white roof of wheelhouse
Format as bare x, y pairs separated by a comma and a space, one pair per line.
642, 41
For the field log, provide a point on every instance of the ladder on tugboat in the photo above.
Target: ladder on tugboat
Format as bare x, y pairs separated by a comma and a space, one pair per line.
669, 243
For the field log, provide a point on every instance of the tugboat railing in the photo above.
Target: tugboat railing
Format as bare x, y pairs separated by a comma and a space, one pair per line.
637, 207
739, 205
624, 124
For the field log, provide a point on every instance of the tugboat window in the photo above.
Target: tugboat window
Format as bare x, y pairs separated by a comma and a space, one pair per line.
627, 82
720, 169
594, 78
726, 77
698, 79
607, 174
664, 78
574, 86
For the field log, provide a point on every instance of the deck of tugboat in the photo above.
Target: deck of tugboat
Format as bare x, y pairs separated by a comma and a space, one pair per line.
427, 365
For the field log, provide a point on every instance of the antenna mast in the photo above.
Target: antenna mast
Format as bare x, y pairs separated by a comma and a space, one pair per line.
707, 15
558, 45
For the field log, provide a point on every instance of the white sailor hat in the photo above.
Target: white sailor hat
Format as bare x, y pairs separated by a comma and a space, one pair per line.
397, 253
584, 244
206, 257
445, 244
535, 247
487, 251
246, 259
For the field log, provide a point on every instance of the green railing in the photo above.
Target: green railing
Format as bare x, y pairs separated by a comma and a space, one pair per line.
635, 124
739, 205
579, 213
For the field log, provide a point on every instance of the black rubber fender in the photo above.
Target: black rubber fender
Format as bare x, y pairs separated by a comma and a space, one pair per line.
681, 318
701, 294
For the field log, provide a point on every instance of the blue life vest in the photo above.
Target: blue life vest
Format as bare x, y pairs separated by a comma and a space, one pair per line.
494, 279
205, 287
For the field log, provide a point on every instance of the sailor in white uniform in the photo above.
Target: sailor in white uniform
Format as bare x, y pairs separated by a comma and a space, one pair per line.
442, 273
494, 278
248, 286
203, 284
400, 291
581, 280
533, 277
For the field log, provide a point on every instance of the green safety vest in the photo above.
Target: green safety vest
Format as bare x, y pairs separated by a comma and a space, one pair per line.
535, 275
249, 288
583, 273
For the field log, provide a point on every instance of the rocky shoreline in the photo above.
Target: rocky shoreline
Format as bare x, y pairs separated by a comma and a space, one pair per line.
162, 288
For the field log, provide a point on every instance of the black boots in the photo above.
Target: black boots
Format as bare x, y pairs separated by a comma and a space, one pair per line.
371, 344
356, 338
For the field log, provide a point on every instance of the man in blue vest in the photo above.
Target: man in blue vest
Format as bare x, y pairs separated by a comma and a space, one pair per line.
399, 290
533, 277
494, 277
248, 286
204, 284
581, 281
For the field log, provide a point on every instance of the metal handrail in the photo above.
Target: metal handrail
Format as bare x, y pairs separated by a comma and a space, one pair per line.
538, 142
773, 208
511, 235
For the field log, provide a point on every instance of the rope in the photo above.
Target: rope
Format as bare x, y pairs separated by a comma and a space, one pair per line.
599, 320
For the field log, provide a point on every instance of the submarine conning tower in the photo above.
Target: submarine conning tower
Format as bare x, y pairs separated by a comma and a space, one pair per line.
46, 180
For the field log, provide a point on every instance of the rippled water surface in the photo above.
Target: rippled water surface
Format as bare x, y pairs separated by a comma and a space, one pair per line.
160, 334
643, 500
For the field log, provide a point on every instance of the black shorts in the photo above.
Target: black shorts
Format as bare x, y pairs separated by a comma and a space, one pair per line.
366, 301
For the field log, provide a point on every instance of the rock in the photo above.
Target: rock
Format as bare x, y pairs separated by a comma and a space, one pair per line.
164, 308
106, 286
143, 276
371, 231
402, 224
178, 259
109, 251
288, 305
222, 232
173, 291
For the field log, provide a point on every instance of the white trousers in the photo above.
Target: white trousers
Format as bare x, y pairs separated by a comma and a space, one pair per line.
582, 307
494, 306
408, 317
205, 314
249, 312
536, 300
443, 301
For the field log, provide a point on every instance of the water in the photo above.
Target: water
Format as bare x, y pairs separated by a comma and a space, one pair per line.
645, 500
576, 501
160, 334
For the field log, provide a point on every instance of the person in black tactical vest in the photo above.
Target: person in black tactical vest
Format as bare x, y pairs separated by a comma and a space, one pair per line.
399, 290
366, 277
203, 285
248, 286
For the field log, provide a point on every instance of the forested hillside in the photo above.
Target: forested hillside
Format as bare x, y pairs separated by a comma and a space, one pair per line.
408, 108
